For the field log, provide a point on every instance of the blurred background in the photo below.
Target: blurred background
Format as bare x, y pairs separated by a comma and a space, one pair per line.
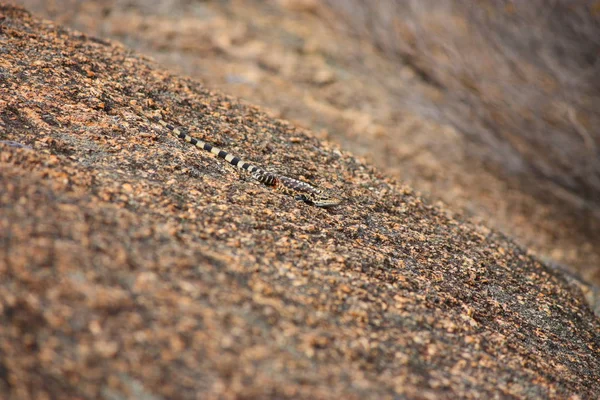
492, 107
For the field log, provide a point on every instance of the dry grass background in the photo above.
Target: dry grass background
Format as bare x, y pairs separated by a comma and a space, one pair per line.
521, 78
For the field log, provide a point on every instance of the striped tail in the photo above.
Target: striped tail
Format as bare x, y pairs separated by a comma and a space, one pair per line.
257, 173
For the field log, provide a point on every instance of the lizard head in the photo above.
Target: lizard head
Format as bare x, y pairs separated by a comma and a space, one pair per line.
320, 200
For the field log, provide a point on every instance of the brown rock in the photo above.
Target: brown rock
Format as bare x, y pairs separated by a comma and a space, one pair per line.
135, 266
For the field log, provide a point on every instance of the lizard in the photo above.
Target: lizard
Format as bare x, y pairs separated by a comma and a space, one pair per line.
299, 190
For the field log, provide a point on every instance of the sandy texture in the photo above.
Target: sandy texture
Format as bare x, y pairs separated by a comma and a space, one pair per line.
134, 266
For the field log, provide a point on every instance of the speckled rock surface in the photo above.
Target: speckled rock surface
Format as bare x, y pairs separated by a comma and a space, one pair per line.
325, 70
134, 266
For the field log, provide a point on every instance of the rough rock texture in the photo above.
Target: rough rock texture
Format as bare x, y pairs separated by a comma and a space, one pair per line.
134, 266
385, 79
